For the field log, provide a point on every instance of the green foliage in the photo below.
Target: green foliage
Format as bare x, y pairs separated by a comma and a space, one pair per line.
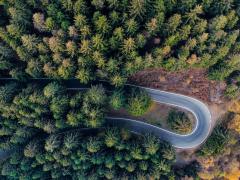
64, 157
7, 92
151, 144
47, 110
112, 40
117, 100
111, 137
216, 142
138, 8
138, 102
179, 122
52, 143
232, 91
53, 89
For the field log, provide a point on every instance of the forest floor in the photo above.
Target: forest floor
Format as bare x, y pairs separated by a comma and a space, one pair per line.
193, 82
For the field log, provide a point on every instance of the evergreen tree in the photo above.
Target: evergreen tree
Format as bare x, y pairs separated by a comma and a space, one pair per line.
138, 102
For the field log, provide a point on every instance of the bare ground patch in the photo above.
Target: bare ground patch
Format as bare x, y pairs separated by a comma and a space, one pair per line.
157, 115
193, 82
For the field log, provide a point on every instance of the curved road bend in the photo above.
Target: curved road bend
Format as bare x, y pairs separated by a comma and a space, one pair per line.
199, 110
196, 107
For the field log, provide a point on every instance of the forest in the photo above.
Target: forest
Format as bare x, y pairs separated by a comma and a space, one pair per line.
56, 133
111, 40
109, 155
52, 133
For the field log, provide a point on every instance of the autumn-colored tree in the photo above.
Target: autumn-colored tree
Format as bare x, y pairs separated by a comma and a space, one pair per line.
235, 123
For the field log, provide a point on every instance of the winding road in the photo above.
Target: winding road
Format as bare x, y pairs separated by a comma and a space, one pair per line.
196, 107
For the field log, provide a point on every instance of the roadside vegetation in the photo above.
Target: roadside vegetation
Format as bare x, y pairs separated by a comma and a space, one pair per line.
134, 100
218, 158
179, 122
138, 102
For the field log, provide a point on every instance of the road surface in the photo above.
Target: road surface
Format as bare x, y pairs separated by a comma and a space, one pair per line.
198, 109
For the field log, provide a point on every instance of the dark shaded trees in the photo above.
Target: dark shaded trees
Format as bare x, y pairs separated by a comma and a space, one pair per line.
74, 155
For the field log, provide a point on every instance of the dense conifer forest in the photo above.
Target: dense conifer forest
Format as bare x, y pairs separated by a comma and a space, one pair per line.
52, 132
109, 39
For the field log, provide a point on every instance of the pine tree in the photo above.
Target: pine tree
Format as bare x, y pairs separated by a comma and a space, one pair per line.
131, 167
49, 127
111, 137
131, 26
173, 22
98, 43
114, 18
53, 89
74, 118
128, 46
52, 143
95, 95
67, 69
138, 8
117, 100
84, 75
143, 165
80, 21
80, 7
93, 145
138, 102
152, 26
117, 80
99, 4
71, 48
151, 144
179, 122
34, 68
71, 141
217, 23
59, 105
31, 150
102, 25
50, 24
85, 47
38, 21
136, 152
8, 92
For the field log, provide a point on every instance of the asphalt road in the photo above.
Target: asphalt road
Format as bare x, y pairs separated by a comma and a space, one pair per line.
199, 110
196, 107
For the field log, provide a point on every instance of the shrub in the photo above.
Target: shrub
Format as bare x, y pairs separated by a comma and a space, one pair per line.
179, 122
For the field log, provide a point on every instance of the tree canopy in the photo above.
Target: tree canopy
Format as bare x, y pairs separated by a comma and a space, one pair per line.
112, 39
75, 155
